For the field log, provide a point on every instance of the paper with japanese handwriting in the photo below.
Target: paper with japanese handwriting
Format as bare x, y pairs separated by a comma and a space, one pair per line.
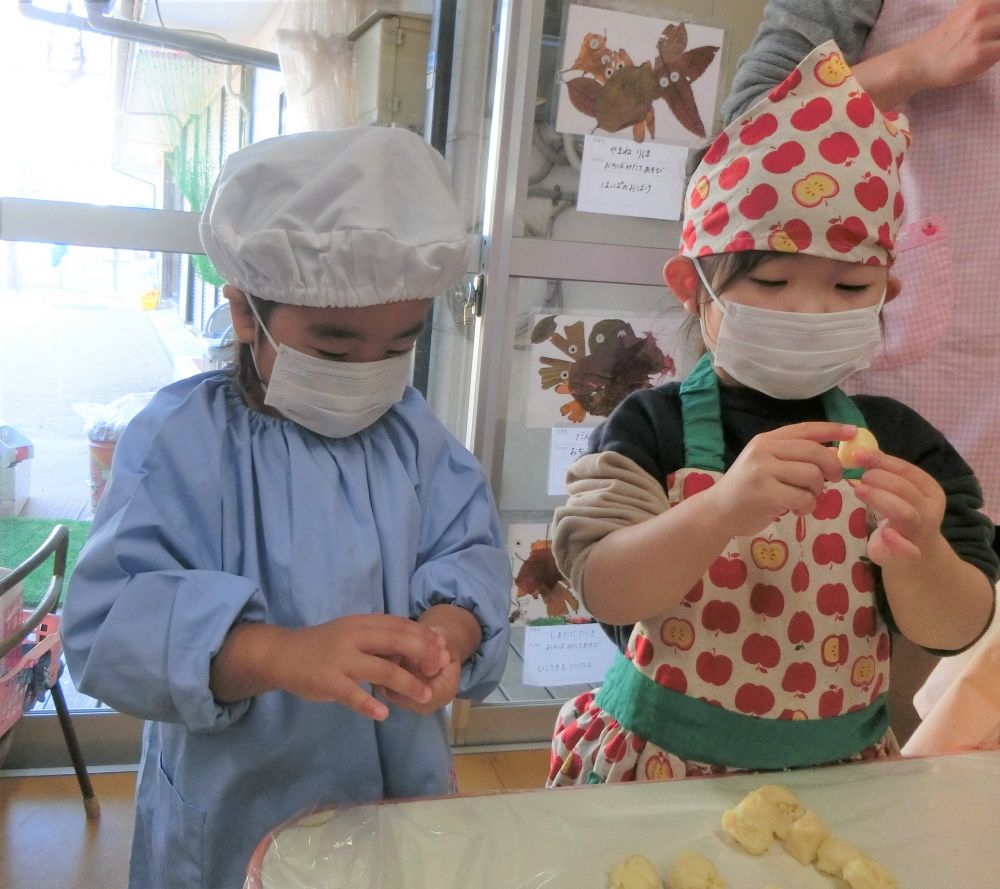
624, 178
567, 654
634, 76
565, 448
539, 592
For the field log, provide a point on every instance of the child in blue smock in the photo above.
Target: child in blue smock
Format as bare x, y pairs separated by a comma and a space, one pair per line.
762, 574
295, 568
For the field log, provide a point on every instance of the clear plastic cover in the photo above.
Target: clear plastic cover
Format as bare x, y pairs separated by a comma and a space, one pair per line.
932, 822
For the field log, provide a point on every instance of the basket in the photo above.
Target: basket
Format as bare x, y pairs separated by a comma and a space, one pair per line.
35, 671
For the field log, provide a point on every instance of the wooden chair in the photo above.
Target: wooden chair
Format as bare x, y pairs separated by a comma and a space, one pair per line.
35, 622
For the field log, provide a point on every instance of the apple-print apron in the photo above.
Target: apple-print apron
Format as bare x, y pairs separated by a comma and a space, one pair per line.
777, 658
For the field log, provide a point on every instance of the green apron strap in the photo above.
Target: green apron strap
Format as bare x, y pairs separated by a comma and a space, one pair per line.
702, 417
840, 409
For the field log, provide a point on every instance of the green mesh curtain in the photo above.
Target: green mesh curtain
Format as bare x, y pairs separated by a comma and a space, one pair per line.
190, 167
180, 89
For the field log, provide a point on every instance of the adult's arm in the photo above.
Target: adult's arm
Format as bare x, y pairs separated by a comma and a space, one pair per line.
790, 29
961, 46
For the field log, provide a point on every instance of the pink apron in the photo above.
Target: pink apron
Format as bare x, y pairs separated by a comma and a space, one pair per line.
941, 355
777, 658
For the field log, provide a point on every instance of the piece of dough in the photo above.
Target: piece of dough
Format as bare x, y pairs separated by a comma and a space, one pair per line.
751, 835
866, 873
693, 871
833, 854
773, 810
845, 450
805, 835
635, 872
784, 805
761, 815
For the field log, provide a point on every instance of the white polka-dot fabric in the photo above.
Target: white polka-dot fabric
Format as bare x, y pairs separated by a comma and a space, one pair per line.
812, 168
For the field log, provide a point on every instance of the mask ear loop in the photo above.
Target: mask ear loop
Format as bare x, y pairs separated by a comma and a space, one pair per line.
251, 301
881, 301
712, 295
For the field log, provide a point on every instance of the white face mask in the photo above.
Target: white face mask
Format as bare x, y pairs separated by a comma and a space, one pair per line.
332, 398
793, 355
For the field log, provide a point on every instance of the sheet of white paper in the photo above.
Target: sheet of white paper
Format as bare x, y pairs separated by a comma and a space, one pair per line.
595, 36
565, 446
577, 348
566, 654
627, 178
533, 599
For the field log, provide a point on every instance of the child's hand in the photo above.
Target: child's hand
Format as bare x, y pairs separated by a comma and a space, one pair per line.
461, 635
778, 471
908, 502
332, 661
443, 685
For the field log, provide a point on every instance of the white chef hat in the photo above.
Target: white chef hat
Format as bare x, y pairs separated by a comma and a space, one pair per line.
350, 217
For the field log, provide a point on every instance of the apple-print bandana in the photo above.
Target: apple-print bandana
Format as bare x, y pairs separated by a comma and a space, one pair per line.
812, 168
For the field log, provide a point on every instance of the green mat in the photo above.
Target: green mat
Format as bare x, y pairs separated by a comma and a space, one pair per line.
19, 538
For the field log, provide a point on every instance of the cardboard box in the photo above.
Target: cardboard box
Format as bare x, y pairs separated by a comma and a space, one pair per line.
16, 452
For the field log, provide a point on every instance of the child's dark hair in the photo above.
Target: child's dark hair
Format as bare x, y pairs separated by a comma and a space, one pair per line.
721, 270
242, 366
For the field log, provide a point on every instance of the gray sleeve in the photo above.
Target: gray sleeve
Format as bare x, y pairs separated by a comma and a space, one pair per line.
789, 31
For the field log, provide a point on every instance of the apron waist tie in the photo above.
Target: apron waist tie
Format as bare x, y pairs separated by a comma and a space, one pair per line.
693, 730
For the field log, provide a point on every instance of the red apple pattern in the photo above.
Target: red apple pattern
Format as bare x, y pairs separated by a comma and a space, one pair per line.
787, 156
827, 157
801, 641
760, 201
829, 504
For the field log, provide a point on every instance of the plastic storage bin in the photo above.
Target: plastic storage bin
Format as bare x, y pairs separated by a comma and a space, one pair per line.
16, 452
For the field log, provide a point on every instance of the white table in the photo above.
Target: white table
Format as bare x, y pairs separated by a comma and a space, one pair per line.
933, 822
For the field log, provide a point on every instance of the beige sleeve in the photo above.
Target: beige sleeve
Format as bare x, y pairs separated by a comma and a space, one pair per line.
606, 492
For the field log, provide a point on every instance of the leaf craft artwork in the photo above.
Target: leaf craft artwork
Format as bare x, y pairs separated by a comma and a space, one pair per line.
539, 578
601, 369
618, 94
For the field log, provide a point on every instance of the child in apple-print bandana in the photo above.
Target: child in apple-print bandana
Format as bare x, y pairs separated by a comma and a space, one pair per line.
762, 573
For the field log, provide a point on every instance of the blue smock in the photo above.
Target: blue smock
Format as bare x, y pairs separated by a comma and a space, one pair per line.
218, 513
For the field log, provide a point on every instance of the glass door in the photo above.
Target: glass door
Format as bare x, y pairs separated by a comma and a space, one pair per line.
559, 277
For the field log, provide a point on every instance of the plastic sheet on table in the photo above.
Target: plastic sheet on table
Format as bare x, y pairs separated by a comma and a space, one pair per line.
932, 822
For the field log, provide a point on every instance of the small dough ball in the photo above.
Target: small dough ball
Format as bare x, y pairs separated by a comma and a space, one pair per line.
784, 806
845, 451
866, 873
693, 871
635, 872
753, 836
805, 835
833, 854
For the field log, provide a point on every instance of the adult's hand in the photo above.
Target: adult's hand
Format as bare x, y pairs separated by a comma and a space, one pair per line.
961, 47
